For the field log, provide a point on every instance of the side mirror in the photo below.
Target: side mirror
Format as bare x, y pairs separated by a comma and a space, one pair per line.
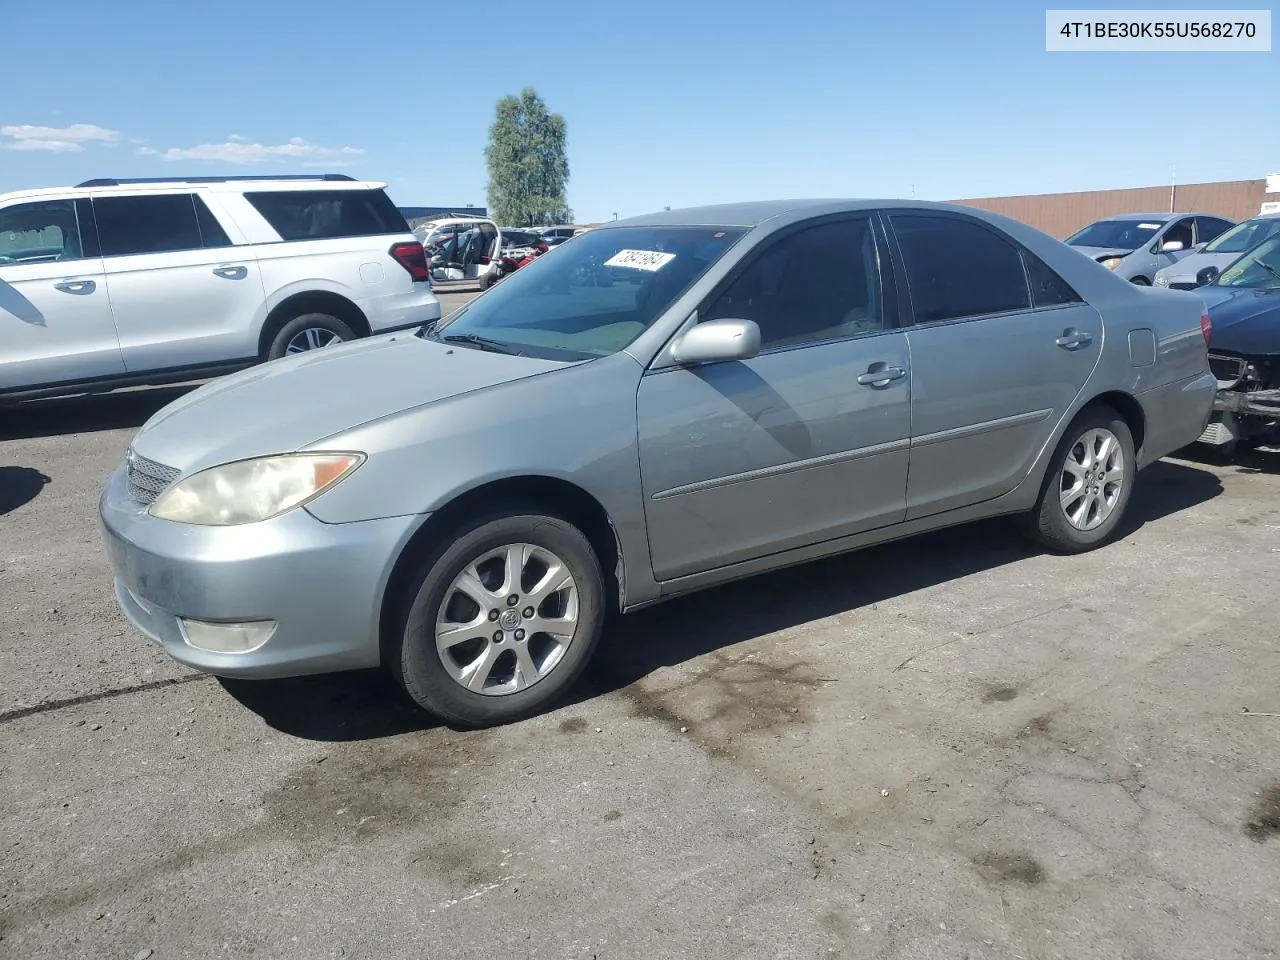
1172, 246
1206, 276
718, 340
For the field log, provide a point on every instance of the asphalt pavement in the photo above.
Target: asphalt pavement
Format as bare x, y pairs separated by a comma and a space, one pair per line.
951, 747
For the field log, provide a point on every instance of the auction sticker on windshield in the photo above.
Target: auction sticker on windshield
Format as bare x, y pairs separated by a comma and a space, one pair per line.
640, 259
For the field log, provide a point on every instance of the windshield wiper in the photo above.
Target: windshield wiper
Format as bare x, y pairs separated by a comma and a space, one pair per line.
475, 340
1267, 267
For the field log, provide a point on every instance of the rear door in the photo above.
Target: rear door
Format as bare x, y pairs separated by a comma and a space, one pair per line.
1001, 347
55, 318
183, 295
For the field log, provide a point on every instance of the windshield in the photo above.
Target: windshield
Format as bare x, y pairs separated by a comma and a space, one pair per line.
1260, 267
1245, 236
597, 294
1118, 234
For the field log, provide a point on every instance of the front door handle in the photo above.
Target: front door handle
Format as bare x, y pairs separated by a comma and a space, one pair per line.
880, 374
1072, 338
81, 287
231, 273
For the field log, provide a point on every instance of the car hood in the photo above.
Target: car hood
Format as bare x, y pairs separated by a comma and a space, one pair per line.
1185, 270
288, 404
1100, 253
1245, 321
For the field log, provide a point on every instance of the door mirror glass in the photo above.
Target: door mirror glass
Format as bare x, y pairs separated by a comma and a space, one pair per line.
1171, 246
1207, 275
718, 340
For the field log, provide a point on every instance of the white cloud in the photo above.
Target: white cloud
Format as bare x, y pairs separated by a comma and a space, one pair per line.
70, 139
146, 151
237, 150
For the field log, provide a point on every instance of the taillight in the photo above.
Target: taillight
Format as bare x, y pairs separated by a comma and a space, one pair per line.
1206, 328
413, 258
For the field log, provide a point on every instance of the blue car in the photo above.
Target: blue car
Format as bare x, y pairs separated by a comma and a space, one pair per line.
1244, 350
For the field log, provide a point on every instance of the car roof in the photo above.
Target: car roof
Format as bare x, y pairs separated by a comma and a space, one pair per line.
1162, 217
755, 212
109, 186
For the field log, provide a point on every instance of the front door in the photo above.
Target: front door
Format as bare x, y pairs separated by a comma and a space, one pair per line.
182, 294
1000, 349
807, 441
55, 319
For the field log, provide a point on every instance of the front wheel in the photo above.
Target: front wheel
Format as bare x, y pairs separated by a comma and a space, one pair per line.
1089, 483
1140, 281
501, 620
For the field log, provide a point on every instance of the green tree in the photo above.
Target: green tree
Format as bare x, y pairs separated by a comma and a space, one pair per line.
528, 169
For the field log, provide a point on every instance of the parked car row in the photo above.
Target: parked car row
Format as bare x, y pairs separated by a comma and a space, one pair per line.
119, 282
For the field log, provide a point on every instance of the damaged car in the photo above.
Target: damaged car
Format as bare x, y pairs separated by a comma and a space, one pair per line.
1244, 351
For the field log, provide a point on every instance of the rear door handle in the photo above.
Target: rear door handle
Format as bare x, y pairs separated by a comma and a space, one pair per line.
76, 286
880, 374
1071, 339
231, 273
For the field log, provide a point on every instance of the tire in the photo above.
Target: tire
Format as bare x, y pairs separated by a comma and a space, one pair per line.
1140, 281
298, 327
435, 680
1049, 523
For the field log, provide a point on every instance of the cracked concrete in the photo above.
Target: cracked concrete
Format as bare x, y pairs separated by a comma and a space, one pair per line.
951, 747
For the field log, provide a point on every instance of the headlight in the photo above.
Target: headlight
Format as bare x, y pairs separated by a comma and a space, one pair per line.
1162, 281
251, 490
1112, 262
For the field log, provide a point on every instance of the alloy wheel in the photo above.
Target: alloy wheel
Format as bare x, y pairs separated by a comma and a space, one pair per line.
1093, 477
507, 619
312, 338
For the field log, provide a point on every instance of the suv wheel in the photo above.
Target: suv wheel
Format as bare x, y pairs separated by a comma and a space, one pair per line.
311, 331
500, 620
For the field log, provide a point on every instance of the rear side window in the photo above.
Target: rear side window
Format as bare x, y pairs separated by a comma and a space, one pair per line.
211, 232
147, 224
1047, 288
327, 214
39, 232
958, 269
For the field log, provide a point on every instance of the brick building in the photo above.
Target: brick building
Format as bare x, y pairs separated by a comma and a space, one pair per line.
1062, 214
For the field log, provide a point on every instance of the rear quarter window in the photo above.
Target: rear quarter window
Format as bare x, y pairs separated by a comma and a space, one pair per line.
328, 214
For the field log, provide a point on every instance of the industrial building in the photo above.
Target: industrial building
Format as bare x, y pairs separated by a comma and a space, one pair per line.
1062, 214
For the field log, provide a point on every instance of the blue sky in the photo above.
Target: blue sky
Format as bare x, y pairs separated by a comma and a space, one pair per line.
668, 102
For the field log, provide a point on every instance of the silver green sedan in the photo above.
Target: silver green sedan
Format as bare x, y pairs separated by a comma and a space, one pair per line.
667, 403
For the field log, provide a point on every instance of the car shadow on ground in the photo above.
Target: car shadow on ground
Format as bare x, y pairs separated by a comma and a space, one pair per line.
368, 704
1244, 460
85, 414
19, 486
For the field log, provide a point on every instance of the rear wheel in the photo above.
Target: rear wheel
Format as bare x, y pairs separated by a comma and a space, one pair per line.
1089, 483
501, 620
311, 331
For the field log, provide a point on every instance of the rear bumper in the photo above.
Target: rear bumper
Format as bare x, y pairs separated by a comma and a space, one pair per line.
1177, 414
399, 311
322, 584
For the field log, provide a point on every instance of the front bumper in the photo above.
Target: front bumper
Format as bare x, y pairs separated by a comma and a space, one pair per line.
322, 583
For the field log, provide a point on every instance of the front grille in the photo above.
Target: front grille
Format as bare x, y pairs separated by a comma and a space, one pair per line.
147, 479
1183, 285
1226, 369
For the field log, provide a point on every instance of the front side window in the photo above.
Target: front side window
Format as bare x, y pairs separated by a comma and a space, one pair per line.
1181, 233
1245, 236
1116, 234
957, 268
1260, 267
158, 223
328, 214
821, 282
594, 297
39, 232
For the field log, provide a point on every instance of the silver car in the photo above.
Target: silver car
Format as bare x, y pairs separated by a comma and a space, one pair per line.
1137, 246
788, 380
1208, 260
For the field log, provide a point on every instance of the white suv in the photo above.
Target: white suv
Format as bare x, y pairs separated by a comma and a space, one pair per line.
124, 282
